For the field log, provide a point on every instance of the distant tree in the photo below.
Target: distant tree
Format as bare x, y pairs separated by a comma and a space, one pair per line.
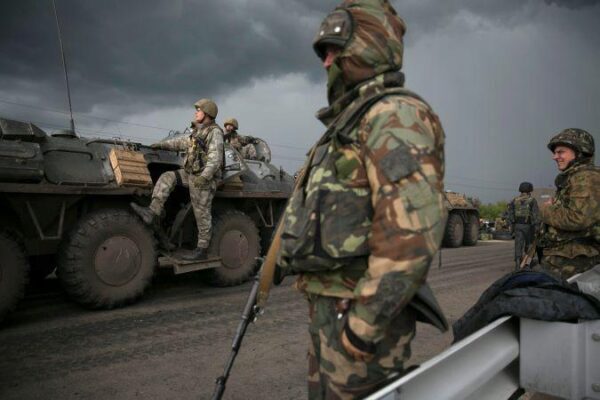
492, 211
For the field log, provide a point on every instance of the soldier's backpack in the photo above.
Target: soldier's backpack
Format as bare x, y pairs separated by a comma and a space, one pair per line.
523, 210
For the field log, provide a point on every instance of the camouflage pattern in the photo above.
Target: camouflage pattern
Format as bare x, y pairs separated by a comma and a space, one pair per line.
370, 213
202, 170
524, 217
332, 373
577, 139
201, 196
571, 238
243, 144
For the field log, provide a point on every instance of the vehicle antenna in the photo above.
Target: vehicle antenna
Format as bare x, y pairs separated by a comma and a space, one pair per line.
62, 53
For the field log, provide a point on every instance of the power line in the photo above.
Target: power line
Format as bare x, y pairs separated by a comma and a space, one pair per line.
479, 187
80, 115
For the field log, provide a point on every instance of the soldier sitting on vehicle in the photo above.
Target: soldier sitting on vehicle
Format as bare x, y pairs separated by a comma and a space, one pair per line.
243, 144
200, 173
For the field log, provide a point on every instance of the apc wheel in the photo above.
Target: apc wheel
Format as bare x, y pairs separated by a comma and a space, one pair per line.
471, 234
236, 240
108, 260
453, 236
14, 270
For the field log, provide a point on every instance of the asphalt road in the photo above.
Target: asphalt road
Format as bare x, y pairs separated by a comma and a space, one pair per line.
174, 343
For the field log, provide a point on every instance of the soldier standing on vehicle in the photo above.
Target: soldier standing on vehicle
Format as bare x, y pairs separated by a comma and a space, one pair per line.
363, 227
201, 173
243, 144
524, 217
571, 238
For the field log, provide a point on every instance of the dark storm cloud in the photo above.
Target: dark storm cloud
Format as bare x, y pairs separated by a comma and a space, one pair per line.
128, 56
157, 52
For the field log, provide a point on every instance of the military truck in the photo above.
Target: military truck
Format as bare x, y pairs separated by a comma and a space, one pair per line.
462, 227
64, 203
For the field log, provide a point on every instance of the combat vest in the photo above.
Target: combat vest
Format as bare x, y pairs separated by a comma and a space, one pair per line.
196, 156
523, 209
327, 224
586, 237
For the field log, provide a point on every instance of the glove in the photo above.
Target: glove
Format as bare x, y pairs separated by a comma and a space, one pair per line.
201, 182
356, 347
155, 146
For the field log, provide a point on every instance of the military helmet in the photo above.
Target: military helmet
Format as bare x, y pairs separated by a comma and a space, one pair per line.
208, 106
577, 139
525, 187
233, 122
336, 29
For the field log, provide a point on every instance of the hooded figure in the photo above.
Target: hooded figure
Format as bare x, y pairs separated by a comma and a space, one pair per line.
368, 217
571, 236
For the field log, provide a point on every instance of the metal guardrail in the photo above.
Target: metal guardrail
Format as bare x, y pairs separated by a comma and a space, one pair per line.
484, 365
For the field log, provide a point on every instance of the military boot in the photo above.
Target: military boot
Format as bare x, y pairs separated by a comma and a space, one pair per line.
145, 213
198, 254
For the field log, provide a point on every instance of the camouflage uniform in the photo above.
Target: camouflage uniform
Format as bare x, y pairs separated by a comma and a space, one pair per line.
369, 217
524, 217
571, 238
243, 144
201, 172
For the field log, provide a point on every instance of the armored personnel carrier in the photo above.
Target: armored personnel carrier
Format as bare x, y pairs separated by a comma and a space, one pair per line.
462, 227
64, 203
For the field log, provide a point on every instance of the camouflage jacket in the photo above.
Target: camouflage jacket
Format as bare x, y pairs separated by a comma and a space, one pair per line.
573, 220
369, 216
204, 150
524, 209
237, 141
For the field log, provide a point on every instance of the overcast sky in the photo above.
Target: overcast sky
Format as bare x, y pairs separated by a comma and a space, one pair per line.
504, 75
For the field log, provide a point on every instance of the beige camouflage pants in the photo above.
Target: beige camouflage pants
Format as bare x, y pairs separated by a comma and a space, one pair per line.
332, 373
200, 196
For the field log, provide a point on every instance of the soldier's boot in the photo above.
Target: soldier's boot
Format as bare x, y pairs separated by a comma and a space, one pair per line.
199, 254
145, 213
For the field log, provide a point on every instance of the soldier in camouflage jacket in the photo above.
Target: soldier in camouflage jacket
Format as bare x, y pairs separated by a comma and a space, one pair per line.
201, 172
571, 238
369, 217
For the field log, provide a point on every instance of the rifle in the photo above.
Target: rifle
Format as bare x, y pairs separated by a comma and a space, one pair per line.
249, 315
528, 258
260, 290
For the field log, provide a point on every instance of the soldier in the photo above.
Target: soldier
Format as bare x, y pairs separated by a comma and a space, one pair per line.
524, 218
243, 144
369, 216
571, 238
200, 173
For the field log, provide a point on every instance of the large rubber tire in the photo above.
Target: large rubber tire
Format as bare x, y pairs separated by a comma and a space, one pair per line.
453, 236
471, 234
14, 271
108, 260
236, 240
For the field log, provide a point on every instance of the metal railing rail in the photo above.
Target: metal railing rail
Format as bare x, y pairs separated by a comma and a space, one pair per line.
484, 365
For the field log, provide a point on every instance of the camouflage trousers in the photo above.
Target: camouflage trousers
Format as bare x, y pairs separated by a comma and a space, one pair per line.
523, 238
565, 268
201, 197
332, 373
